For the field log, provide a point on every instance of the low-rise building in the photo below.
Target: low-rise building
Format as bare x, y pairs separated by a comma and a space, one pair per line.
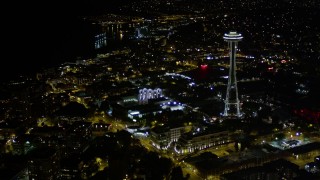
192, 141
163, 136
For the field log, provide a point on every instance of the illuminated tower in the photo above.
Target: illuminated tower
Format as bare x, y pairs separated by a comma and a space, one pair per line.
232, 104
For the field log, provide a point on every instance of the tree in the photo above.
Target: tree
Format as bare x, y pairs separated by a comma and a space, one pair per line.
177, 173
73, 109
236, 146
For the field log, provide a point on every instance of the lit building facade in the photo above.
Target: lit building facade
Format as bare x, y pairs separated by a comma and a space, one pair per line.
191, 142
162, 137
146, 94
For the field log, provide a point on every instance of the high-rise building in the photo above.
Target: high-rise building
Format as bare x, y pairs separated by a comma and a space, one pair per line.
232, 104
44, 163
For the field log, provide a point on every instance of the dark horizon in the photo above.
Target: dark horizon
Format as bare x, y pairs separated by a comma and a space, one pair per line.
40, 35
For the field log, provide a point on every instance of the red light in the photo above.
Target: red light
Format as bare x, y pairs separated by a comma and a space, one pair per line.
204, 66
283, 61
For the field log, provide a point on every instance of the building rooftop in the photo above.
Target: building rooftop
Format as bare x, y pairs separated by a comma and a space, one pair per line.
42, 153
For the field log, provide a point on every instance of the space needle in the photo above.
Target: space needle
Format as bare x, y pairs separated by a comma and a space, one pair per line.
232, 103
